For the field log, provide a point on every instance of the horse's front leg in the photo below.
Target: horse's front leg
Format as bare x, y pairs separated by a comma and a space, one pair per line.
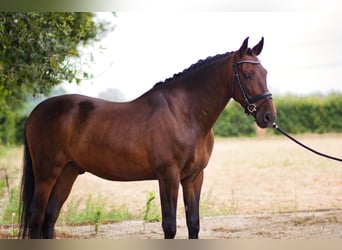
191, 194
168, 189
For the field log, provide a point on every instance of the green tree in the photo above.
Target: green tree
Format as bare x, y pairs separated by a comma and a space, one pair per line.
39, 51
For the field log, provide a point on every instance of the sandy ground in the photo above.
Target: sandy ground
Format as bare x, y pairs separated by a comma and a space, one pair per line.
265, 187
301, 225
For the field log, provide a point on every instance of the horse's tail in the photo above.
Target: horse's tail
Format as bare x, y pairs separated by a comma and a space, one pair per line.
26, 192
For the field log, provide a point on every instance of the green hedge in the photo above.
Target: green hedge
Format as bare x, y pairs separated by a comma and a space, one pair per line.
311, 114
296, 114
234, 122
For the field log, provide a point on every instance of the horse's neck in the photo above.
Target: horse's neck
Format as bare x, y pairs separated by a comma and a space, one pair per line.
207, 92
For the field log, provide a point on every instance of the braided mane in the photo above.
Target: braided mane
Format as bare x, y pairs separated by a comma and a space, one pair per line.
201, 63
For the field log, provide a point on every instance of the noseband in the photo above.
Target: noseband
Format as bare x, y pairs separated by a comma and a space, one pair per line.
251, 107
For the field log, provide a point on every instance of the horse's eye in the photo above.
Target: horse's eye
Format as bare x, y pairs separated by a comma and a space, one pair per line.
247, 75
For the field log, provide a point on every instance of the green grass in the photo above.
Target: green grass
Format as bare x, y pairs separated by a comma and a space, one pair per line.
11, 207
151, 213
2, 187
96, 211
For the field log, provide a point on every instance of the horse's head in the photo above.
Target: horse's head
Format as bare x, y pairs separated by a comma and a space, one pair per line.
249, 86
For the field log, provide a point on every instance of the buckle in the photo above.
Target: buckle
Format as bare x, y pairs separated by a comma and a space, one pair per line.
251, 108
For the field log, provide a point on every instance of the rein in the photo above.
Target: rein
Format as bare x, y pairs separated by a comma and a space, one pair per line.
251, 108
275, 126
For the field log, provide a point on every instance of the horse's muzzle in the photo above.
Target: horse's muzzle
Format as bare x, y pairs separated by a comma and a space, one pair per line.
266, 115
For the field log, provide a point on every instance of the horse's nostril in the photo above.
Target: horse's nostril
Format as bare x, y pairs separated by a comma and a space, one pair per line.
268, 117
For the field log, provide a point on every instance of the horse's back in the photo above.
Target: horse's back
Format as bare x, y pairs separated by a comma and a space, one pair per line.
53, 110
58, 106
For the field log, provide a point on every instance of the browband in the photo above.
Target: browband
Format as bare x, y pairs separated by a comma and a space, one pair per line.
249, 61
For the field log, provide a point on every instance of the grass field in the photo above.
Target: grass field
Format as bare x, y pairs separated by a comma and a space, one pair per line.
267, 174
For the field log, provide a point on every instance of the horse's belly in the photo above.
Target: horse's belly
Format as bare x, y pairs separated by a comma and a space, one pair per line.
126, 177
122, 172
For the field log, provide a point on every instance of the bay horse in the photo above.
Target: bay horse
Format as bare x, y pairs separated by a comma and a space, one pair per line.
165, 134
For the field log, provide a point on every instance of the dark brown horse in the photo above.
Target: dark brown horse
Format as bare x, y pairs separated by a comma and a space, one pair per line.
165, 135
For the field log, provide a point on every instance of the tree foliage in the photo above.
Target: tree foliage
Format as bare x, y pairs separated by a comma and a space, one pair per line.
37, 52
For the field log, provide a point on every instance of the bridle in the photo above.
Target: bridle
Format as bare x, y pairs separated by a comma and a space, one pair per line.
251, 107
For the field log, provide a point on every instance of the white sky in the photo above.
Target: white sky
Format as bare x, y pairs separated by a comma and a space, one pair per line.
302, 51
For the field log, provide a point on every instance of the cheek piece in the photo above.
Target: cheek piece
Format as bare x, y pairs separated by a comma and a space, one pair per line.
250, 108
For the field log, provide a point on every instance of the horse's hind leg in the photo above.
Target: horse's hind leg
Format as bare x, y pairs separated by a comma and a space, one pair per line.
58, 196
45, 180
37, 209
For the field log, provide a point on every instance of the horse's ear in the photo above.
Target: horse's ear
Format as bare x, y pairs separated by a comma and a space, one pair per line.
258, 48
243, 47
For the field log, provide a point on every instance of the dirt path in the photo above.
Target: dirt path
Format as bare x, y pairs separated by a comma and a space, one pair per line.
304, 225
